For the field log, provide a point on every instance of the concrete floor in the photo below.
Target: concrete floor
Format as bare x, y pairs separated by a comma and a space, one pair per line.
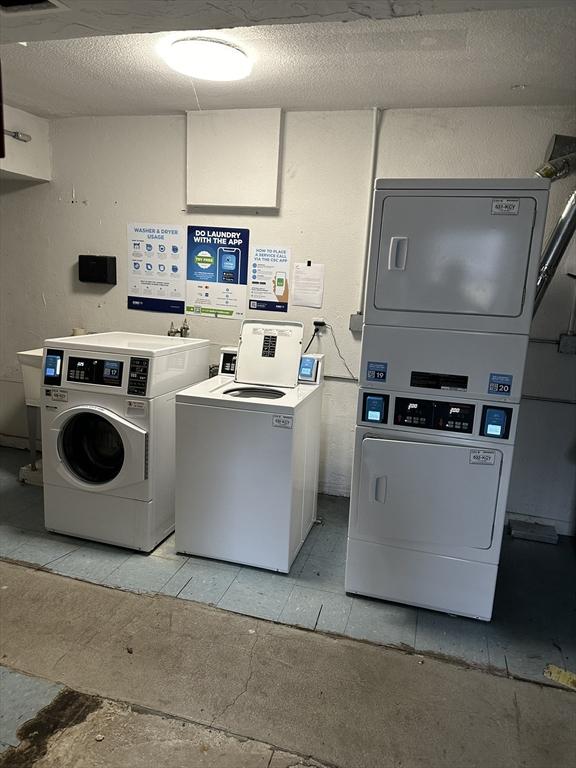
72, 729
534, 621
340, 701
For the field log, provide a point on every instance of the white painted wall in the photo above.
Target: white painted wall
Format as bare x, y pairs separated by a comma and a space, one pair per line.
109, 171
27, 160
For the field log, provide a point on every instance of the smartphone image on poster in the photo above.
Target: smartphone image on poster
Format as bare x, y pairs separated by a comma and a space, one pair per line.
228, 265
280, 283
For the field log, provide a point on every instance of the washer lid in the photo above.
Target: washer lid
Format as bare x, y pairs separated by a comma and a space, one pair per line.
269, 353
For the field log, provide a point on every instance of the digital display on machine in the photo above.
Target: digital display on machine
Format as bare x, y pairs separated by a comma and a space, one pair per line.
307, 370
53, 366
375, 408
496, 422
434, 414
91, 371
428, 380
112, 371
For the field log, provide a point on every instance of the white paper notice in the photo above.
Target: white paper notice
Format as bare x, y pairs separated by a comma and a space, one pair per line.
308, 285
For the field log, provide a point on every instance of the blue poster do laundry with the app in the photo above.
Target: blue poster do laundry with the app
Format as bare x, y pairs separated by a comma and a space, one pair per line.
217, 271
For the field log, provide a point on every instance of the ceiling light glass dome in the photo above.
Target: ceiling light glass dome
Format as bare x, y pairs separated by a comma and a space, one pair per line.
207, 59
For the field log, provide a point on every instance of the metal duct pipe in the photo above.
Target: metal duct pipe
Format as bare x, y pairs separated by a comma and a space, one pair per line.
555, 248
557, 168
18, 135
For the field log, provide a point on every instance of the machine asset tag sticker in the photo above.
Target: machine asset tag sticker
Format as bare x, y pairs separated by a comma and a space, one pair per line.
502, 206
482, 457
282, 421
59, 394
376, 371
500, 384
136, 405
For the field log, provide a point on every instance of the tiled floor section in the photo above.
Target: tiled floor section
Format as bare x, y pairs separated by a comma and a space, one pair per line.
21, 697
534, 621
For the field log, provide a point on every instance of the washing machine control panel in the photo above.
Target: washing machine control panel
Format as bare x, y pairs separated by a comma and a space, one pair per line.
434, 414
89, 370
138, 375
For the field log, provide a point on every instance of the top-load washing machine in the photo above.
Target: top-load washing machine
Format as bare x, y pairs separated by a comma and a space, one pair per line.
108, 433
247, 451
449, 297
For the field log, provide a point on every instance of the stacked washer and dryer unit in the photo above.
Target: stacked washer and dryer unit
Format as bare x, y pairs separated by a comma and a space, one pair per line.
108, 433
448, 306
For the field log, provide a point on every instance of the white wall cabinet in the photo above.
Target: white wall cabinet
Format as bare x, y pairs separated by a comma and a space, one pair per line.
26, 160
233, 158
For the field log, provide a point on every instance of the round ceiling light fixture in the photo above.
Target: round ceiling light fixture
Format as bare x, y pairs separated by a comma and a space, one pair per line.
207, 59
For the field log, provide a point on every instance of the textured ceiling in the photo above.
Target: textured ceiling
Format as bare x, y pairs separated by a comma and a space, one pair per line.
85, 18
439, 60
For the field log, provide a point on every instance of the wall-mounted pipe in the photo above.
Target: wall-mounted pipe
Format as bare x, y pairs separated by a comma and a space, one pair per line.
558, 167
18, 135
555, 247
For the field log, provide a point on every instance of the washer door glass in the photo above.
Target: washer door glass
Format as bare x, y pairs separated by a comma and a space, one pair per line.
92, 448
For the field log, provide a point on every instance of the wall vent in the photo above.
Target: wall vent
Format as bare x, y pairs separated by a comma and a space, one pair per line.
13, 7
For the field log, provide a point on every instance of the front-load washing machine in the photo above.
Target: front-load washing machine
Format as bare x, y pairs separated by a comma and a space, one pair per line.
247, 451
108, 433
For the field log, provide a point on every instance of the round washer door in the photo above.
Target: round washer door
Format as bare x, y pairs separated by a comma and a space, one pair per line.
98, 450
92, 448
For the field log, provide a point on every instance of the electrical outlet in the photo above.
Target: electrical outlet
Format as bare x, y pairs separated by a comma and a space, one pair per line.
319, 324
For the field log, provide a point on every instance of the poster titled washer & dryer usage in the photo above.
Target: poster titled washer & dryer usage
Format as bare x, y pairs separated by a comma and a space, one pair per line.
156, 267
217, 271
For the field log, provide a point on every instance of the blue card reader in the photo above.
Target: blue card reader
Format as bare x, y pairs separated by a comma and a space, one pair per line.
496, 422
308, 371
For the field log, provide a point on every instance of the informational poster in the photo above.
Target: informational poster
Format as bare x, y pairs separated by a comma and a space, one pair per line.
269, 270
217, 271
308, 285
157, 267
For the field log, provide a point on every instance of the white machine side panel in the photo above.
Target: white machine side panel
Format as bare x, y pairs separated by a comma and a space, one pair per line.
229, 505
162, 460
312, 419
453, 254
299, 442
474, 355
424, 493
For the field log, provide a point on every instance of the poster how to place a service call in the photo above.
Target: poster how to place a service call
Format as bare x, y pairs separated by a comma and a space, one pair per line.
217, 271
269, 270
156, 267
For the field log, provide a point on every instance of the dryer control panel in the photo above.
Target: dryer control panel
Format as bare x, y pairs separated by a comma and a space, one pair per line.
432, 414
455, 417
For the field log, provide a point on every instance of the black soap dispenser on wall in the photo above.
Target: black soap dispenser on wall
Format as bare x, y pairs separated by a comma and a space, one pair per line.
97, 269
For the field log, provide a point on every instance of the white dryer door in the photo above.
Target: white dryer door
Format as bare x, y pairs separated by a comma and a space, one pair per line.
98, 450
427, 493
